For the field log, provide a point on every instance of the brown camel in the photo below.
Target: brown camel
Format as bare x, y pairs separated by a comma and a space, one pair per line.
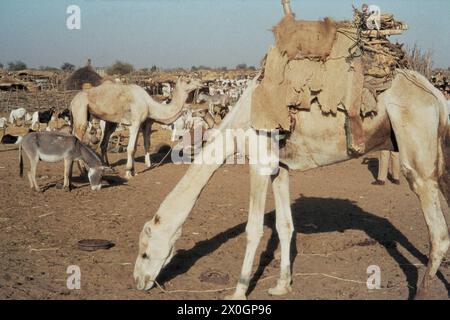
129, 105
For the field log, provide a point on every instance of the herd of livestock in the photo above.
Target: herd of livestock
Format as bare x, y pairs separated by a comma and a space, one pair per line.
216, 97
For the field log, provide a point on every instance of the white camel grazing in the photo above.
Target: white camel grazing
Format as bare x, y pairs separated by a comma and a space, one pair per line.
129, 105
411, 108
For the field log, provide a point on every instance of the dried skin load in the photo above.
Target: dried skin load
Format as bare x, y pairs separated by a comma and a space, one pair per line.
323, 62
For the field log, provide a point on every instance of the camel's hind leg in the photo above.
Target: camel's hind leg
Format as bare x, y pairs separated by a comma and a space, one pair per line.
254, 229
147, 129
134, 130
419, 158
110, 127
285, 229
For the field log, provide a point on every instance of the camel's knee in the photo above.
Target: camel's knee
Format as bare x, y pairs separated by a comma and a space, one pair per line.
254, 234
285, 229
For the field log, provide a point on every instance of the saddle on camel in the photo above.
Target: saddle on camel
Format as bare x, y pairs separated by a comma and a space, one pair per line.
339, 65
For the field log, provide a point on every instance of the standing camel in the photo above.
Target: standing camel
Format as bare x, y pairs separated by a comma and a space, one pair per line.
411, 108
129, 105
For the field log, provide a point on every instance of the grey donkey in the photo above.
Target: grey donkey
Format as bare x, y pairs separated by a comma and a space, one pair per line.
54, 147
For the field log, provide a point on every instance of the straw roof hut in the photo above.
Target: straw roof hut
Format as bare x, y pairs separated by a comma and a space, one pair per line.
83, 76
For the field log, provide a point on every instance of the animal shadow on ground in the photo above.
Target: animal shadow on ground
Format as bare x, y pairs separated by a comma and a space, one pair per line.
372, 166
160, 158
112, 181
313, 216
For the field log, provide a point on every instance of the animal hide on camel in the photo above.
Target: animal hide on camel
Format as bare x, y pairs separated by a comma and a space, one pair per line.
315, 61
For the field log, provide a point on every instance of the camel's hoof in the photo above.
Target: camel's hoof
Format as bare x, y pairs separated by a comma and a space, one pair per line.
280, 290
40, 190
128, 175
236, 297
421, 295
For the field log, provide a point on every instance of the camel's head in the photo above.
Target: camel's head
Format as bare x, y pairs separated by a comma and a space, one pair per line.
188, 84
155, 251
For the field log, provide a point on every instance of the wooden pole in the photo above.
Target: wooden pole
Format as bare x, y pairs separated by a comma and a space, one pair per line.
286, 7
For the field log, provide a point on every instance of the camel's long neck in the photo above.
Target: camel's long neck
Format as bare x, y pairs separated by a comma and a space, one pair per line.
167, 114
176, 207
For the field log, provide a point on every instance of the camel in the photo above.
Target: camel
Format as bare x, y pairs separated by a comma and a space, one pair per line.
411, 108
129, 105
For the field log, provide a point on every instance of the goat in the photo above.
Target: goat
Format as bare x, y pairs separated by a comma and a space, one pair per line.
42, 117
65, 115
54, 147
3, 122
17, 114
10, 139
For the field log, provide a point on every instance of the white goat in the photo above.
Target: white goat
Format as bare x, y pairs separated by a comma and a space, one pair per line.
17, 114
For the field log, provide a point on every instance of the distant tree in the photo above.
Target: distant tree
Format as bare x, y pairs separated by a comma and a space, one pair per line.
241, 66
223, 69
252, 68
1, 65
419, 60
47, 68
68, 67
16, 66
154, 68
120, 68
194, 68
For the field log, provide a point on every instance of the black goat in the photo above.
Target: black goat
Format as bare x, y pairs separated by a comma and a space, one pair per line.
65, 115
42, 117
10, 139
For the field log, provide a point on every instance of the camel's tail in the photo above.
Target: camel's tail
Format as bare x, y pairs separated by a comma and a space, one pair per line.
20, 161
444, 179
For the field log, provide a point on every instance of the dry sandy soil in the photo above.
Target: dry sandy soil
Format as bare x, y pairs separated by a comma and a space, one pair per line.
343, 225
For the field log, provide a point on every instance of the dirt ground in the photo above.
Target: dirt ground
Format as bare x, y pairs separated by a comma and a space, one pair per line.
343, 225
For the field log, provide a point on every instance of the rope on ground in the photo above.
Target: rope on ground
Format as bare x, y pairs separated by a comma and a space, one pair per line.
163, 159
261, 280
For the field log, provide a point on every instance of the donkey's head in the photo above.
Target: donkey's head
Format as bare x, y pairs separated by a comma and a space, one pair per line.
95, 175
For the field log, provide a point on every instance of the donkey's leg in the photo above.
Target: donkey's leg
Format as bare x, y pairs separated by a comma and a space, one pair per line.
254, 229
33, 169
147, 128
68, 163
134, 130
285, 229
110, 127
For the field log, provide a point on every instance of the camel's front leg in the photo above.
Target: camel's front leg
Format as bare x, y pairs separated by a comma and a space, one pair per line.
134, 130
285, 229
146, 132
254, 229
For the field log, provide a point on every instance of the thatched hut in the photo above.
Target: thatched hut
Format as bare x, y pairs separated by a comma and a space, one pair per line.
83, 77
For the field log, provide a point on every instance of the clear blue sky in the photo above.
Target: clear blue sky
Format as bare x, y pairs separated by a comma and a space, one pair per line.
183, 33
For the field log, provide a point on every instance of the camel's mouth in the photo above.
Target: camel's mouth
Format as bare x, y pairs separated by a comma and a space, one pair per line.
144, 284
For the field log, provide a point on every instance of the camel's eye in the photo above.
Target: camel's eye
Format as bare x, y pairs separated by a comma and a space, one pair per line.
145, 256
